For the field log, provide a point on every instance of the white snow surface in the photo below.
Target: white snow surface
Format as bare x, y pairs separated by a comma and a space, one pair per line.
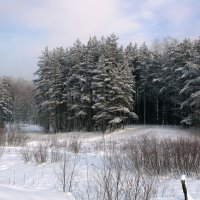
19, 180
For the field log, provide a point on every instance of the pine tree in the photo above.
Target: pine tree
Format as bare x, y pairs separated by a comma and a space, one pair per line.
191, 90
112, 87
55, 81
107, 69
131, 58
24, 110
92, 55
122, 103
142, 80
155, 84
42, 86
101, 95
5, 101
73, 86
177, 57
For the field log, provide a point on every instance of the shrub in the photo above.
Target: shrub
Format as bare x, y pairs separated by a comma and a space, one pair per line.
74, 145
40, 153
113, 181
16, 139
161, 157
26, 154
56, 155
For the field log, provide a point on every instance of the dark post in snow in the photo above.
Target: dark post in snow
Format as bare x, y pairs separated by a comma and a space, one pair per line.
184, 187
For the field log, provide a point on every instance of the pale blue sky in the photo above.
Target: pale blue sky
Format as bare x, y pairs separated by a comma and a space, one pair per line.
27, 26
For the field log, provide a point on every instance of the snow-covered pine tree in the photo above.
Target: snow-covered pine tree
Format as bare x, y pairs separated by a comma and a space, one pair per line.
92, 54
66, 98
169, 46
101, 95
55, 90
177, 56
191, 90
168, 90
142, 81
131, 57
155, 84
73, 86
112, 87
42, 86
122, 102
23, 104
5, 101
103, 82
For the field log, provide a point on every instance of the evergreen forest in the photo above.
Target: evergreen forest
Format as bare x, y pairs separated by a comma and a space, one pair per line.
102, 86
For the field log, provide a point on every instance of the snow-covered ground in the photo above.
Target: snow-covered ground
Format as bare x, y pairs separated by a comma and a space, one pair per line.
19, 180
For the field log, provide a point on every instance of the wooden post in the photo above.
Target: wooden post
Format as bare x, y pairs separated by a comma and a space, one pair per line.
184, 187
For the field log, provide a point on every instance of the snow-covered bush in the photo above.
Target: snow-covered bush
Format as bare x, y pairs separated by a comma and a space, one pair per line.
40, 153
112, 180
56, 154
26, 153
74, 145
17, 139
161, 157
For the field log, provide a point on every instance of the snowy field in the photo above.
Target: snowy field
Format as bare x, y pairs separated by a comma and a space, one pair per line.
32, 181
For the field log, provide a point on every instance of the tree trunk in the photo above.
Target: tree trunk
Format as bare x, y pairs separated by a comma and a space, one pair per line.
137, 103
144, 108
157, 110
163, 117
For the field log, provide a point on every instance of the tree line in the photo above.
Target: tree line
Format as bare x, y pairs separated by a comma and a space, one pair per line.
101, 85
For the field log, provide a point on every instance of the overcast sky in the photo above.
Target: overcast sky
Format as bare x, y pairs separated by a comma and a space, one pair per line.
27, 26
